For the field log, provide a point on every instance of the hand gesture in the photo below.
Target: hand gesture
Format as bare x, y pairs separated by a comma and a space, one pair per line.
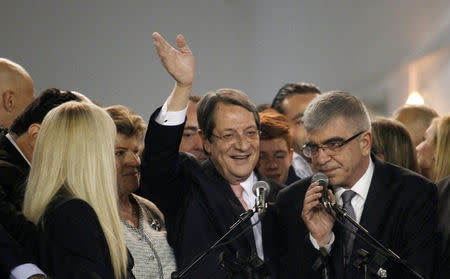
180, 63
317, 220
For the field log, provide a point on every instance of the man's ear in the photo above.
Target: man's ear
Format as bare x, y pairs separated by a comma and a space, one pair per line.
205, 142
32, 133
291, 155
365, 143
8, 100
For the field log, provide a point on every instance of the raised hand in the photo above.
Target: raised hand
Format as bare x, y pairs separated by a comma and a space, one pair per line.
317, 220
180, 64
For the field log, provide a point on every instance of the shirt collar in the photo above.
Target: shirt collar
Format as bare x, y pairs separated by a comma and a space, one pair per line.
249, 182
8, 136
362, 186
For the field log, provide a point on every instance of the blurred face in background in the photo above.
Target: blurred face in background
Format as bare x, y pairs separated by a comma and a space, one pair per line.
425, 152
191, 141
294, 107
275, 158
127, 152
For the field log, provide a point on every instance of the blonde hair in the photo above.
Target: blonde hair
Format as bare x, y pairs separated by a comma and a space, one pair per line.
441, 167
81, 160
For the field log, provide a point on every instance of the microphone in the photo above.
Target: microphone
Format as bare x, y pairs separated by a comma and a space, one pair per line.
323, 181
261, 190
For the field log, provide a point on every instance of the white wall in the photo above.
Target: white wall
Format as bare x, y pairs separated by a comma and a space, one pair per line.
104, 48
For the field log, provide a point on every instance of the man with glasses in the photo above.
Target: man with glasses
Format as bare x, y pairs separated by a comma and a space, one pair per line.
200, 201
397, 206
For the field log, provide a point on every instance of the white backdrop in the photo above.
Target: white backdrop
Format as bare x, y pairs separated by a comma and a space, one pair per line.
104, 48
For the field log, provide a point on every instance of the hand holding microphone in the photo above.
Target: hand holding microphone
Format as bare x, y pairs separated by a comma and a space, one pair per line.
314, 213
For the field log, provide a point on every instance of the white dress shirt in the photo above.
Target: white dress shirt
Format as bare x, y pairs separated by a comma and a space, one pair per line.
361, 188
25, 271
172, 118
301, 166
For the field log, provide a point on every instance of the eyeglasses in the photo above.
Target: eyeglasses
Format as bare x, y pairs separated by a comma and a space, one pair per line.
233, 136
332, 147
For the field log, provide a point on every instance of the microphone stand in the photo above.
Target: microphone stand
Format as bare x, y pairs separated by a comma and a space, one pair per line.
380, 248
242, 218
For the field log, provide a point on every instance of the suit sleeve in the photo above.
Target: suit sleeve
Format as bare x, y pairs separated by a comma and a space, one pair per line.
14, 222
163, 173
75, 244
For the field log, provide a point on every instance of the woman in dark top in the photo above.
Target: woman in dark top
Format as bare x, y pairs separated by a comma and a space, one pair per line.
72, 196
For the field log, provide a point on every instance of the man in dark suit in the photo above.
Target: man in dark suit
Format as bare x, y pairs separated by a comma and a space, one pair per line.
397, 206
16, 150
13, 262
201, 201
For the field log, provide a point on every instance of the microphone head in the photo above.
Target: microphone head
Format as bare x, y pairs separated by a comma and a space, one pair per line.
261, 184
321, 178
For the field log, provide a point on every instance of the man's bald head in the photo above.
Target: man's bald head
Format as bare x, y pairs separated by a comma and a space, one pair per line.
16, 91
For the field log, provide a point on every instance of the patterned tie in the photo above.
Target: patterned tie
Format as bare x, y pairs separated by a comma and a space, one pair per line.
237, 189
349, 238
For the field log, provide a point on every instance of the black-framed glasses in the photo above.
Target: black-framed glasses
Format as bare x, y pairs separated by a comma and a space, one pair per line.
233, 136
331, 147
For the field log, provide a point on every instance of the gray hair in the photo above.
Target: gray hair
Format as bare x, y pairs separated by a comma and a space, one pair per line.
335, 104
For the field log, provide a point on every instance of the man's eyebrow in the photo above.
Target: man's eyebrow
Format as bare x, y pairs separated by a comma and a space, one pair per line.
193, 128
333, 139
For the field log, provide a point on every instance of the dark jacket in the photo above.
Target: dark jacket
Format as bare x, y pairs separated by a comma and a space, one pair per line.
199, 205
71, 241
11, 254
13, 174
443, 270
400, 211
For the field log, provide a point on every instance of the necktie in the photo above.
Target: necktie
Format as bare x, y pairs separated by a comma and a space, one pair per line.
237, 189
349, 238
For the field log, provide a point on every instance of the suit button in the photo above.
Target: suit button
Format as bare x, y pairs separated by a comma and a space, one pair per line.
152, 258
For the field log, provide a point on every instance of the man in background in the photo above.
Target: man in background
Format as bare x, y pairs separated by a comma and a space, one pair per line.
292, 100
16, 91
275, 150
191, 142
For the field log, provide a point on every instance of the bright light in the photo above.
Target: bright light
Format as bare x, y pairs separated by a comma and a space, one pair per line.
415, 99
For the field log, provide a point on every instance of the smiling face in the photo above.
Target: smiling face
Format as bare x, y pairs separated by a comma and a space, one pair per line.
127, 153
275, 159
346, 166
234, 160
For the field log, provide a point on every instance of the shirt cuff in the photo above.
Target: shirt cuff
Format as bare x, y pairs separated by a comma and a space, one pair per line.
25, 271
171, 118
327, 246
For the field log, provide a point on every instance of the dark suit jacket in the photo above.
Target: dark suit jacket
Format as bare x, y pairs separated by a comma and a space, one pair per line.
71, 242
443, 271
13, 174
198, 204
292, 177
10, 254
400, 212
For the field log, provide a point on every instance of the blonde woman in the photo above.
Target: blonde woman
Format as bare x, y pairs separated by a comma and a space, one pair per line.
433, 152
72, 196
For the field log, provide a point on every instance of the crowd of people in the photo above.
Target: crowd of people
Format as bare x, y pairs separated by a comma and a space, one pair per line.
95, 192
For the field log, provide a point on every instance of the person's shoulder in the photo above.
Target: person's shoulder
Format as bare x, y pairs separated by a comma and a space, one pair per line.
65, 209
404, 177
